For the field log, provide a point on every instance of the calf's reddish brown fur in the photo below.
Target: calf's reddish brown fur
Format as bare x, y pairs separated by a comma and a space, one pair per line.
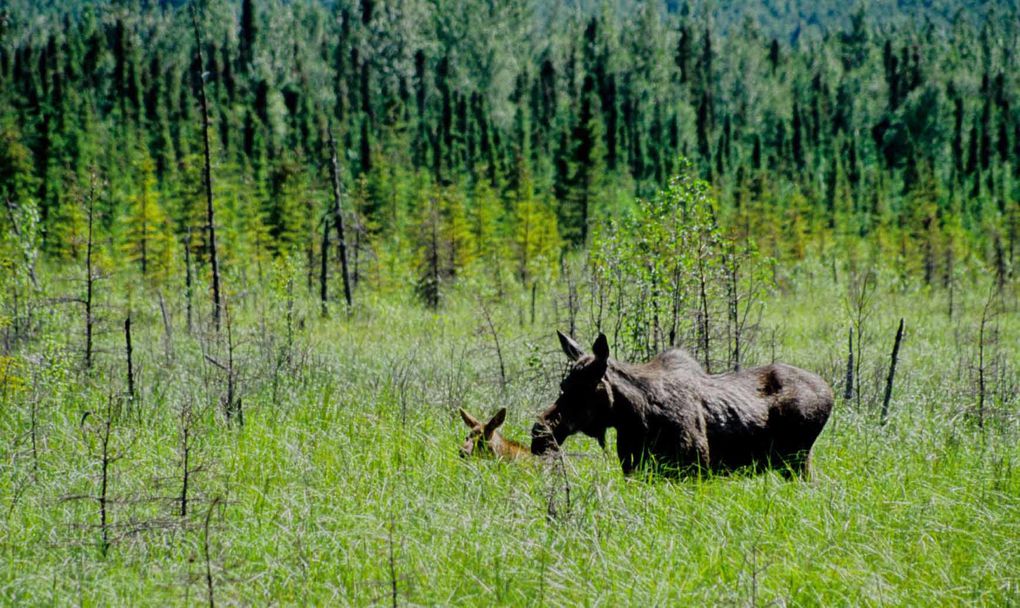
671, 415
485, 440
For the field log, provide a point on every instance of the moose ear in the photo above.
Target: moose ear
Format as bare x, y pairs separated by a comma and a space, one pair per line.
571, 349
469, 420
601, 347
496, 422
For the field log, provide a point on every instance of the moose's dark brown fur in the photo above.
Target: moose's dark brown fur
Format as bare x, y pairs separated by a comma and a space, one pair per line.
671, 414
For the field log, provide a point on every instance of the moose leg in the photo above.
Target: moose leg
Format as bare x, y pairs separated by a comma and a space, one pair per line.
805, 465
628, 453
795, 464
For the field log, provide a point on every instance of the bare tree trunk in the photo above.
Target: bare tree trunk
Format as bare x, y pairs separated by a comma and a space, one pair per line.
234, 407
705, 327
145, 228
205, 551
734, 306
106, 458
675, 303
499, 350
986, 314
130, 363
392, 559
209, 212
860, 299
534, 293
338, 219
848, 390
187, 419
323, 268
185, 470
892, 373
188, 281
89, 276
981, 374
168, 336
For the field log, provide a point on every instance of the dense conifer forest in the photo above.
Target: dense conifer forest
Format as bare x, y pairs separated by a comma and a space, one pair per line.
514, 128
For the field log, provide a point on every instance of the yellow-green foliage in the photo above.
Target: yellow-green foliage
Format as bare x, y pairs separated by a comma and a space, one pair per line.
12, 371
149, 233
486, 217
536, 236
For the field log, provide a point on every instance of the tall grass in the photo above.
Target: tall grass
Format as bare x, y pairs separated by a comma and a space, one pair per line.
344, 485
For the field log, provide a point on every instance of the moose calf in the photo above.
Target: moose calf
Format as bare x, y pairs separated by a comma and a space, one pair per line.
485, 441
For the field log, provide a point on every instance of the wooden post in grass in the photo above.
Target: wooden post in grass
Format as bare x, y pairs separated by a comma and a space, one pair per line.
892, 373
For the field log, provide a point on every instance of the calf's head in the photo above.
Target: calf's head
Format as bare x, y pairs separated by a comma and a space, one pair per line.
479, 441
584, 401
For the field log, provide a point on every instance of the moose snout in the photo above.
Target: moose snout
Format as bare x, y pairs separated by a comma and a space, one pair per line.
542, 439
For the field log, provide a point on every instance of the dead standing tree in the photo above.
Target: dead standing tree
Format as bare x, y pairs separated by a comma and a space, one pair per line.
860, 306
190, 465
988, 313
338, 221
848, 388
231, 401
324, 267
99, 438
892, 374
491, 327
188, 281
90, 274
129, 359
186, 445
209, 210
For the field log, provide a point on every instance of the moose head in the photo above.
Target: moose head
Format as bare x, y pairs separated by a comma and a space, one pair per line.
484, 440
584, 402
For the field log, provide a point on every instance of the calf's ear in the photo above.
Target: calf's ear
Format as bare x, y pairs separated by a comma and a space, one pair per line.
469, 420
496, 422
601, 347
571, 349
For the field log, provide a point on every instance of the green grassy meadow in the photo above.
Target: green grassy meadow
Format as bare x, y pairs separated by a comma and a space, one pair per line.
344, 485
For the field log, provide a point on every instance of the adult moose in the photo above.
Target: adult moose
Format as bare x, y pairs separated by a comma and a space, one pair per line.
670, 414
